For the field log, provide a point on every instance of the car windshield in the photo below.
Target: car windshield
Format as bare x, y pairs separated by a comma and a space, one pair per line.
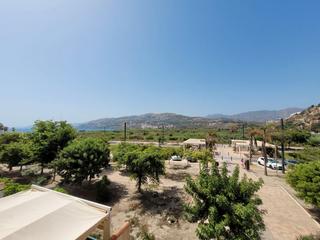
271, 161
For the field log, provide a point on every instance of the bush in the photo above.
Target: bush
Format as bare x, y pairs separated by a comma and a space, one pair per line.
305, 179
61, 190
309, 237
11, 187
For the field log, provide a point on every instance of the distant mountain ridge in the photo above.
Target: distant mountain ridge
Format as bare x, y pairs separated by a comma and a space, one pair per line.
151, 120
172, 120
258, 116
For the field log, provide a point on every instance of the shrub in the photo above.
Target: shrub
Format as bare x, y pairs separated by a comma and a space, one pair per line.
305, 179
11, 187
61, 190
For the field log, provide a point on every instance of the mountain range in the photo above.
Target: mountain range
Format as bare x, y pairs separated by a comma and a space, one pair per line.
258, 116
172, 120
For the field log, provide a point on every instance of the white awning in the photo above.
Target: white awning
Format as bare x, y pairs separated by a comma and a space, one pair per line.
194, 141
48, 215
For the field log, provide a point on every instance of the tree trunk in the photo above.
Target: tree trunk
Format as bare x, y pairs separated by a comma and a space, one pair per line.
54, 174
20, 168
42, 167
139, 184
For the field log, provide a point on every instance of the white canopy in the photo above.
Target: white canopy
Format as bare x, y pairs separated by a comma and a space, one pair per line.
194, 141
44, 214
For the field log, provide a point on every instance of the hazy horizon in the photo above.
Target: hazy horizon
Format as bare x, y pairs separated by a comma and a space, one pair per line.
82, 60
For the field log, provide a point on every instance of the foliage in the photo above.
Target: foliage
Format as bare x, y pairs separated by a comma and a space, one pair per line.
203, 156
61, 190
314, 141
308, 154
225, 206
142, 162
49, 137
305, 179
102, 188
144, 234
82, 159
309, 237
10, 187
7, 138
15, 154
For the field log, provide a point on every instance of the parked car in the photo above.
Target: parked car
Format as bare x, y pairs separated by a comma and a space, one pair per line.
176, 158
274, 164
261, 161
291, 162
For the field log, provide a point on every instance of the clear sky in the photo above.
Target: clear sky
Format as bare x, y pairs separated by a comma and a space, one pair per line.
81, 60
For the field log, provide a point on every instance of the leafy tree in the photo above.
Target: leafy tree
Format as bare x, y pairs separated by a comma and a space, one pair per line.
83, 159
15, 154
305, 179
144, 164
225, 206
49, 137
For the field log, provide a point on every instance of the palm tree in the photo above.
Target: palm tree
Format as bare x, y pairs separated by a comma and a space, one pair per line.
211, 140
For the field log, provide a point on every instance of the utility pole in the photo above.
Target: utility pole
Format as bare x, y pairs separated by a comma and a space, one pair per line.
162, 134
282, 145
125, 132
242, 131
264, 152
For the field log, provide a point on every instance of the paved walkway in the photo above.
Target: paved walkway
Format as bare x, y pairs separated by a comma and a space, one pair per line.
285, 217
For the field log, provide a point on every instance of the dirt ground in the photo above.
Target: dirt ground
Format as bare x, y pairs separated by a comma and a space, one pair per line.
159, 209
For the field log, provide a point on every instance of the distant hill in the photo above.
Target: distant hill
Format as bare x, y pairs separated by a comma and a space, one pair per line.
307, 119
258, 116
152, 120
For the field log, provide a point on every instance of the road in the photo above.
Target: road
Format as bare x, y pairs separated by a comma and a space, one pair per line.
285, 217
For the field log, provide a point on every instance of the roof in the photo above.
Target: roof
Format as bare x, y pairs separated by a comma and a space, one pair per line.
40, 213
194, 141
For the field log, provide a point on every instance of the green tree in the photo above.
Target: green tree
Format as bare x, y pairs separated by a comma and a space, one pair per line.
225, 206
15, 154
305, 179
144, 164
83, 159
49, 137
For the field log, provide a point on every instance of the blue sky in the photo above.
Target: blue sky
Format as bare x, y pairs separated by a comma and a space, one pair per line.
80, 60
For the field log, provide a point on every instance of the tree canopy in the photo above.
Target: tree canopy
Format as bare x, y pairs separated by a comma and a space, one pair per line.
83, 159
49, 137
225, 206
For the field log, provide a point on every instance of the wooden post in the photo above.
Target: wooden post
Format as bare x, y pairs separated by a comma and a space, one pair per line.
107, 228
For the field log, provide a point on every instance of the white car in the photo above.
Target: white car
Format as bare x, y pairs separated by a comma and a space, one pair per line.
261, 161
274, 164
176, 158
